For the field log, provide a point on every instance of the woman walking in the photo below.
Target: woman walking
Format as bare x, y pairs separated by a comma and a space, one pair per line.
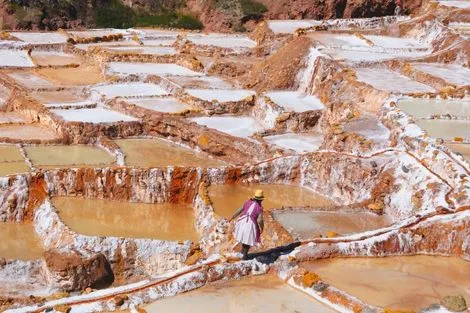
250, 224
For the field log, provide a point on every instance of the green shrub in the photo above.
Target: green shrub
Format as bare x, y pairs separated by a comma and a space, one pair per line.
169, 19
115, 15
252, 7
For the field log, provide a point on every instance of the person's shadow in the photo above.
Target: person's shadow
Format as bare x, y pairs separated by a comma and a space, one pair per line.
270, 256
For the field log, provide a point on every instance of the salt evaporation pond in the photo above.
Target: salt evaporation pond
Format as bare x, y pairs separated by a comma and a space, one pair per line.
304, 225
371, 55
19, 241
11, 161
462, 148
95, 115
130, 90
166, 104
15, 58
386, 80
298, 142
295, 101
250, 295
26, 132
389, 42
64, 97
54, 58
290, 26
410, 282
220, 95
446, 129
222, 41
72, 76
238, 126
157, 153
30, 80
163, 69
451, 73
226, 199
426, 108
40, 38
68, 156
369, 127
338, 40
11, 117
144, 50
96, 217
462, 4
206, 82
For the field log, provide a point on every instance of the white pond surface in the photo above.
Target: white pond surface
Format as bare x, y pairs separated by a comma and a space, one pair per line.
221, 95
386, 80
223, 41
151, 69
446, 129
165, 105
425, 108
451, 73
96, 115
233, 125
458, 4
30, 80
290, 26
369, 127
159, 42
15, 58
395, 42
300, 143
130, 90
371, 55
207, 82
295, 101
40, 38
145, 50
97, 32
339, 40
104, 45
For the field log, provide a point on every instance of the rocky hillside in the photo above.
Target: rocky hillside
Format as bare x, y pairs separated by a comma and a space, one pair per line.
212, 15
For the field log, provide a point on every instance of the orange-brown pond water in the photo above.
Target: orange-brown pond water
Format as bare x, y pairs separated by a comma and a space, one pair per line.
59, 156
313, 224
83, 75
412, 282
155, 153
248, 295
123, 219
19, 241
226, 199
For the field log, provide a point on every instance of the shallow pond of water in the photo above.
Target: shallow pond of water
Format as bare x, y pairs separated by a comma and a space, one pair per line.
10, 153
226, 199
12, 168
412, 282
26, 132
305, 225
19, 241
157, 152
425, 108
76, 155
446, 129
248, 295
96, 217
462, 148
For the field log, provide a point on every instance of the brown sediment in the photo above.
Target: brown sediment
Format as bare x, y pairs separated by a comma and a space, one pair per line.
37, 193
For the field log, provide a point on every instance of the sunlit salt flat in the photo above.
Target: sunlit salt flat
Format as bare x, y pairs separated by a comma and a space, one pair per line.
164, 104
295, 101
220, 95
95, 115
451, 73
40, 38
150, 69
130, 90
298, 142
15, 58
238, 126
386, 80
446, 129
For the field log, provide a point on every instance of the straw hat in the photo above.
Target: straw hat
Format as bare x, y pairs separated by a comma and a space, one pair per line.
259, 195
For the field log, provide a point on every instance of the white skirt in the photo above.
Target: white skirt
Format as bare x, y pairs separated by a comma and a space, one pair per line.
245, 231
